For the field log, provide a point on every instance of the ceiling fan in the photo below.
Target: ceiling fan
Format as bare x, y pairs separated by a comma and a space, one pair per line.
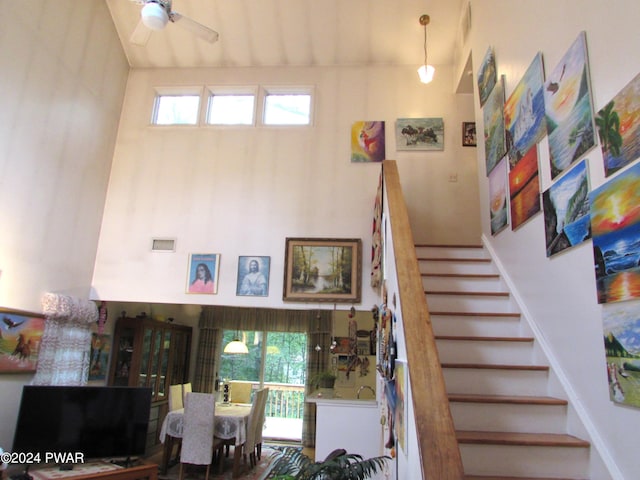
155, 14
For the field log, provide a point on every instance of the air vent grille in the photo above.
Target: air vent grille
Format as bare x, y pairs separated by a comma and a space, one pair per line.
163, 245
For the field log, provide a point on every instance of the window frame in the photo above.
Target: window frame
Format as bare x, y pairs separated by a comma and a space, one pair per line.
187, 91
268, 90
237, 90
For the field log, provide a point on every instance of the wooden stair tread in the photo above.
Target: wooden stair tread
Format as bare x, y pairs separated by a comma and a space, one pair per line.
473, 294
492, 366
484, 339
436, 245
462, 275
493, 477
454, 259
519, 438
505, 399
478, 314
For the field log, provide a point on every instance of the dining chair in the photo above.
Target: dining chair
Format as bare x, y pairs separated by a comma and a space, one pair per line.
175, 397
240, 392
186, 388
255, 427
198, 443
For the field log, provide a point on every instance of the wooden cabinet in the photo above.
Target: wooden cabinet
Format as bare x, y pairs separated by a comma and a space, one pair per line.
148, 353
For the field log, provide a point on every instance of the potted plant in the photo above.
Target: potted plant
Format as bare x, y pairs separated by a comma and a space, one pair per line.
326, 379
289, 463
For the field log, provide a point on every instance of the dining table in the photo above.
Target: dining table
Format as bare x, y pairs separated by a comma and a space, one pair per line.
230, 422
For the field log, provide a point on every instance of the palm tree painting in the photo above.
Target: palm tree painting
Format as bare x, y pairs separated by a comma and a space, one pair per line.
494, 134
568, 108
618, 125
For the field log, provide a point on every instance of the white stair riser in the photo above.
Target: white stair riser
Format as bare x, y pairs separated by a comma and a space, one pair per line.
503, 353
462, 284
495, 381
426, 266
469, 303
499, 417
504, 460
478, 326
439, 252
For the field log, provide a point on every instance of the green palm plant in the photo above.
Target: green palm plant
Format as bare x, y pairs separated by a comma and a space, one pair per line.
608, 123
289, 463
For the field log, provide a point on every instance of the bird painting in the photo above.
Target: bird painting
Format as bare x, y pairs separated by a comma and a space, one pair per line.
10, 323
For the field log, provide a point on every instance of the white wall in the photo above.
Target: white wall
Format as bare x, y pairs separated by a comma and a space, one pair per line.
559, 293
242, 191
63, 78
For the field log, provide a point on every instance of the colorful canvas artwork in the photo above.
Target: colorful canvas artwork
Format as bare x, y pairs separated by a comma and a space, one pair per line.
367, 142
420, 134
568, 108
498, 197
99, 356
20, 339
494, 136
524, 118
619, 128
487, 76
615, 225
524, 188
566, 210
621, 328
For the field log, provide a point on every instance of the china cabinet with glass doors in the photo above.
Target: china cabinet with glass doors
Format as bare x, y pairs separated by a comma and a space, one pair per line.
149, 353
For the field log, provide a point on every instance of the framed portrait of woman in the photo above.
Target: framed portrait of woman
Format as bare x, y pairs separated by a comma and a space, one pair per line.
203, 273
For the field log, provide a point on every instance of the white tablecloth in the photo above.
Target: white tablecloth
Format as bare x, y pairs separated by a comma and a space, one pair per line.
230, 422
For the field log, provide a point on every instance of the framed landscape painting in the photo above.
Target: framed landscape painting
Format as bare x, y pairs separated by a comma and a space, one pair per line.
323, 270
487, 75
20, 338
494, 133
420, 134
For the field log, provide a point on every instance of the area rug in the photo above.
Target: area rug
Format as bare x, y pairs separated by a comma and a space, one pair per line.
197, 472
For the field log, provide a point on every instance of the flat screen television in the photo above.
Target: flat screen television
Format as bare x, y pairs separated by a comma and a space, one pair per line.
99, 422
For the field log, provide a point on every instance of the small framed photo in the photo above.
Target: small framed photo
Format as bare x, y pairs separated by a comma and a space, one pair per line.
323, 270
469, 134
253, 276
203, 273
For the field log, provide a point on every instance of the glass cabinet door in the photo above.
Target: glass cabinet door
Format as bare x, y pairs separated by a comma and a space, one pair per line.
143, 376
164, 365
124, 357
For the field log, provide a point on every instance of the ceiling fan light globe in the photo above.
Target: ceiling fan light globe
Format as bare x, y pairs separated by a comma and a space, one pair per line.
154, 16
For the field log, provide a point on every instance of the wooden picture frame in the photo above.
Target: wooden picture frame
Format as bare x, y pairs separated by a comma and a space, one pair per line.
469, 137
20, 340
323, 270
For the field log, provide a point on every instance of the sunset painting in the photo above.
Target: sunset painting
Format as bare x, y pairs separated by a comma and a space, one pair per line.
566, 210
20, 338
524, 188
619, 128
621, 328
568, 108
524, 117
498, 197
615, 223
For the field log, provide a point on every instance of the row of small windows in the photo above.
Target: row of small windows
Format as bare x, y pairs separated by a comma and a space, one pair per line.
234, 107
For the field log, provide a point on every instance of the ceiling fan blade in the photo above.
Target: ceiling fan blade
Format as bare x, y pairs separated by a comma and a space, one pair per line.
205, 33
140, 35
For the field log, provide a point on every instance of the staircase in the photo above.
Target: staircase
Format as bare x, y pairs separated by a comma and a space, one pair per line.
507, 426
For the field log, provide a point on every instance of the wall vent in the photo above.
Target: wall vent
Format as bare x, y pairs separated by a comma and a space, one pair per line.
163, 245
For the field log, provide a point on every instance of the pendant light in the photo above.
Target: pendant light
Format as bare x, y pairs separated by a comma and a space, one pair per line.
426, 71
236, 346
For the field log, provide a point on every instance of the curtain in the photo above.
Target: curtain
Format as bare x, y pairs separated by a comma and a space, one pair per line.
213, 319
66, 340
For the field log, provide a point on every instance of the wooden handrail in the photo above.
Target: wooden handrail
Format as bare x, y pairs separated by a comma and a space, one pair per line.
439, 452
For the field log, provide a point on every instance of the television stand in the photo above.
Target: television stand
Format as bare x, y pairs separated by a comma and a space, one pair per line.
99, 469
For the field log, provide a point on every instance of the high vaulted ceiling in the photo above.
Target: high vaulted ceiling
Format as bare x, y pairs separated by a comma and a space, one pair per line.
261, 33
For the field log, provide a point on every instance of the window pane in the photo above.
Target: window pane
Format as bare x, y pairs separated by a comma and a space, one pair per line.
230, 110
177, 109
286, 360
239, 366
287, 109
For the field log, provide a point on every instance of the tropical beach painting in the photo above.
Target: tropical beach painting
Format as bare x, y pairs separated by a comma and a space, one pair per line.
566, 210
619, 128
621, 328
524, 118
367, 142
524, 188
498, 197
487, 75
568, 108
615, 223
494, 137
